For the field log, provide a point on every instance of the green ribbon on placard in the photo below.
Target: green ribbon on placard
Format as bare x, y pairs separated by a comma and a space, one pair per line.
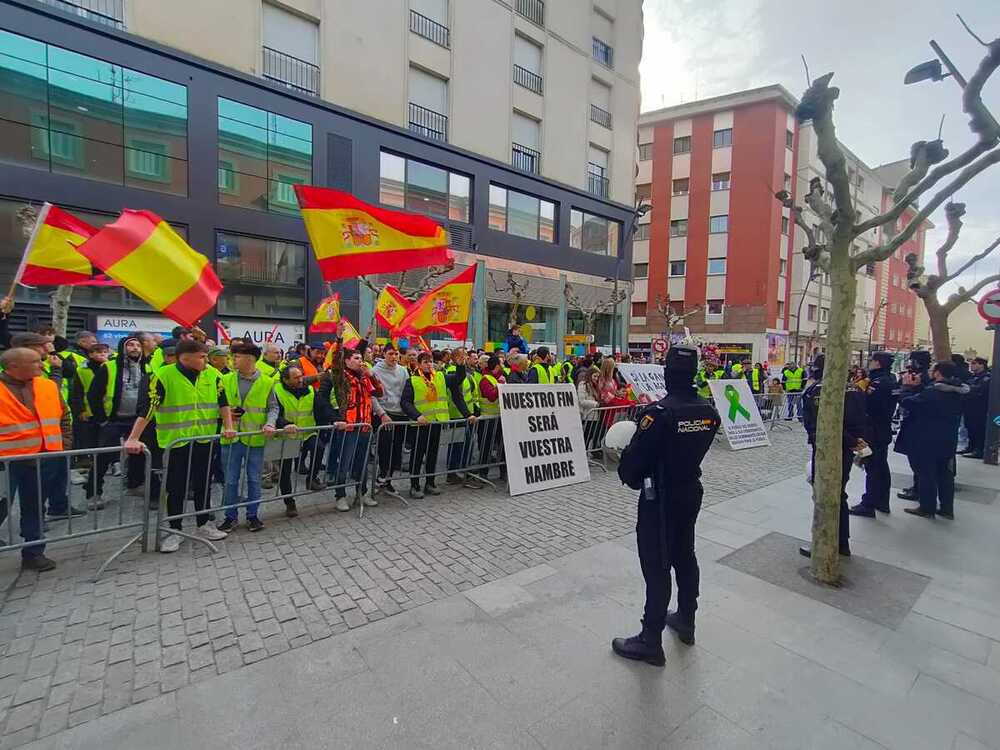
735, 407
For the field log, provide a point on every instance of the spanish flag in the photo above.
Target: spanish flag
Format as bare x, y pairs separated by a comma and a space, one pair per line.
146, 256
391, 306
326, 316
445, 308
51, 257
351, 238
349, 336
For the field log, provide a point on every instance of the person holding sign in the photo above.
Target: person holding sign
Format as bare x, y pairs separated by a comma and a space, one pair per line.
663, 461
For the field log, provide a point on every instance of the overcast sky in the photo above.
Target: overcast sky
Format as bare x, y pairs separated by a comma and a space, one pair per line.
694, 49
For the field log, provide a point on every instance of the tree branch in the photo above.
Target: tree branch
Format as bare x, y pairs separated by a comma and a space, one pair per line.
981, 120
975, 259
954, 213
965, 295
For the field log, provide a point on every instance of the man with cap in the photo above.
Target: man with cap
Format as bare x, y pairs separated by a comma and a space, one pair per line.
913, 381
663, 461
880, 403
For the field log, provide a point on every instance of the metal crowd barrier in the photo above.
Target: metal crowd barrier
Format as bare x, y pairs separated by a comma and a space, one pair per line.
470, 451
779, 409
596, 424
50, 474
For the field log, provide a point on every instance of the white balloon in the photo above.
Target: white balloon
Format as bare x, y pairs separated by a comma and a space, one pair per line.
619, 435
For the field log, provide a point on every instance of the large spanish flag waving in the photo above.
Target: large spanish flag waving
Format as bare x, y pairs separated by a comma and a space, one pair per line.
146, 256
445, 308
391, 307
51, 257
352, 238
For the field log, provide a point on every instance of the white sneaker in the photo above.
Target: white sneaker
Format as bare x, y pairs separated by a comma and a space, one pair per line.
77, 477
208, 531
116, 469
342, 505
170, 543
368, 501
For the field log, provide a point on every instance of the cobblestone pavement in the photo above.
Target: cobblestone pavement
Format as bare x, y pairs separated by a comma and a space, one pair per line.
72, 650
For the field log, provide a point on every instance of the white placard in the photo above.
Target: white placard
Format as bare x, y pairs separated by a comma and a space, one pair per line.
542, 436
741, 420
261, 332
646, 381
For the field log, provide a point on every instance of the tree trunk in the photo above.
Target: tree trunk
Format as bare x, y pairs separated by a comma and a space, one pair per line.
829, 430
60, 308
940, 335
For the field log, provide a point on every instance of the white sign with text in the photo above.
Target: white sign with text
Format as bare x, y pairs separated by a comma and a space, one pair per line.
646, 381
284, 335
741, 421
542, 437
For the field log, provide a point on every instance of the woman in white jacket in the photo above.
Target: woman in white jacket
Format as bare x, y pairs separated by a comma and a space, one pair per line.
588, 394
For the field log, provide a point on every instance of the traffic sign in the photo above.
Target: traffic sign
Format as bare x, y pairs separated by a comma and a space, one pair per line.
659, 345
989, 306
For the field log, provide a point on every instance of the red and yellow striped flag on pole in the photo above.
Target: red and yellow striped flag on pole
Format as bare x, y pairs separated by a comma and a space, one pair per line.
445, 308
51, 257
352, 238
327, 315
391, 306
146, 256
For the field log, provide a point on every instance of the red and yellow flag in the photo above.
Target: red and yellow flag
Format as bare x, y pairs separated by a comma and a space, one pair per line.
391, 306
146, 256
327, 315
51, 257
352, 238
349, 336
445, 308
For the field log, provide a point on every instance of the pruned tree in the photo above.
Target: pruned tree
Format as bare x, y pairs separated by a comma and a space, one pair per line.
27, 216
416, 286
516, 289
926, 286
932, 180
671, 319
590, 312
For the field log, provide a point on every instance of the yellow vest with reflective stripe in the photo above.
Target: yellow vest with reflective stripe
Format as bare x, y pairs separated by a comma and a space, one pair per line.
543, 374
109, 389
435, 409
254, 406
468, 395
793, 379
298, 411
755, 379
486, 407
188, 410
270, 370
86, 377
477, 378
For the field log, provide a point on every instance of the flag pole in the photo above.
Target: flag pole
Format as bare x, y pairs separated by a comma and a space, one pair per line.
42, 214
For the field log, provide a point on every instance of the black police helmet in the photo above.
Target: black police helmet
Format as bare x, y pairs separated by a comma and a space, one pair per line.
682, 360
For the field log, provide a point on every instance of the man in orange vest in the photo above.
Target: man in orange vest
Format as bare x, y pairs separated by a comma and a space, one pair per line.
33, 420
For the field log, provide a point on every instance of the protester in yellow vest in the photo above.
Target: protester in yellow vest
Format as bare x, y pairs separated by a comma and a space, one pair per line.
757, 378
793, 381
250, 395
85, 429
462, 368
539, 372
299, 408
33, 420
271, 363
187, 401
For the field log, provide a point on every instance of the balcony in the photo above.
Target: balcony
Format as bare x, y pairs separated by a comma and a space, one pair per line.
533, 10
428, 123
526, 159
601, 116
289, 71
527, 79
597, 184
604, 53
423, 26
107, 12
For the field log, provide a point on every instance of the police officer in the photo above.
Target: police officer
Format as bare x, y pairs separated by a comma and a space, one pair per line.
880, 403
663, 460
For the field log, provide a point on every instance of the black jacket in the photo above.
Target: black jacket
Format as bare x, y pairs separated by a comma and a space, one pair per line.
880, 403
100, 386
856, 424
976, 402
932, 418
453, 380
322, 408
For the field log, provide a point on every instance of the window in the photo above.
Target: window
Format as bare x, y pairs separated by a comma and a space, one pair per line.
895, 280
534, 11
789, 139
781, 308
428, 105
720, 181
594, 234
527, 64
679, 228
263, 277
526, 143
291, 50
265, 153
645, 151
716, 266
423, 188
429, 19
824, 314
597, 171
811, 313
682, 145
73, 114
638, 309
600, 103
680, 187
521, 215
784, 225
640, 271
641, 232
787, 183
722, 138
643, 193
782, 267
714, 306
718, 224
604, 53
678, 267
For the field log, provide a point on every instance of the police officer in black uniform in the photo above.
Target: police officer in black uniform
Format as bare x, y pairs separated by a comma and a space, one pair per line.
663, 460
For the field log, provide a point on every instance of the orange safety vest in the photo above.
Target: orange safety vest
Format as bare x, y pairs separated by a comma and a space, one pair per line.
308, 368
23, 432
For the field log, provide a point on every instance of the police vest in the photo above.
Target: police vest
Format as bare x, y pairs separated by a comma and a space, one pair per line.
23, 431
486, 407
188, 410
254, 406
793, 379
298, 411
432, 401
543, 374
86, 377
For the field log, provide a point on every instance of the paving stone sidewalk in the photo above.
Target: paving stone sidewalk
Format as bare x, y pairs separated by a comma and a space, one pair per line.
72, 650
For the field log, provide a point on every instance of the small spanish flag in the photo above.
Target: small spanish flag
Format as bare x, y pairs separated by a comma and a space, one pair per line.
352, 238
445, 308
391, 307
146, 256
51, 257
327, 315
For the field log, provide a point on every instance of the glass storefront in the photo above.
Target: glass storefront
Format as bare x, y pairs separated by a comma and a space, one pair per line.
538, 324
423, 188
263, 278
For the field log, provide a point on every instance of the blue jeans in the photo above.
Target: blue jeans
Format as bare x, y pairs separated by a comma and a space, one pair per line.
348, 452
794, 403
25, 478
56, 489
459, 452
234, 457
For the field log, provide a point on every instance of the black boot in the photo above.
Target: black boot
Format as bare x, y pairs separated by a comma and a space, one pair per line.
910, 493
647, 647
683, 626
862, 510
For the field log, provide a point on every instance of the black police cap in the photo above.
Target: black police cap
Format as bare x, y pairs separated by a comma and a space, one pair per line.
681, 359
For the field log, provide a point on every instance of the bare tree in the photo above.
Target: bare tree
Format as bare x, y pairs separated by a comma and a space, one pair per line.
414, 288
516, 289
27, 216
933, 177
591, 312
926, 286
672, 320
